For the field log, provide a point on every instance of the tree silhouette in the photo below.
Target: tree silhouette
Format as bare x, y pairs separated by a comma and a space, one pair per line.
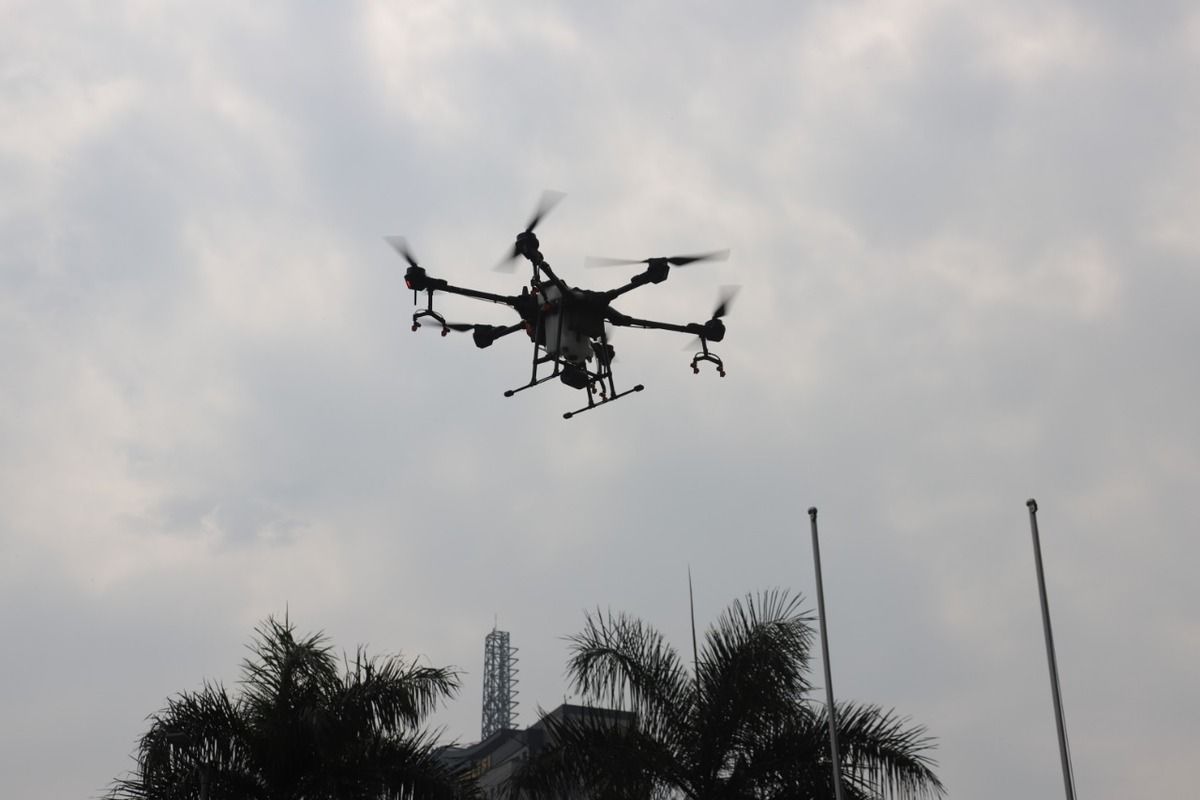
302, 726
738, 725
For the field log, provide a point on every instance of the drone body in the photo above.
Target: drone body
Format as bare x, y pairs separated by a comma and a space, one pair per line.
568, 326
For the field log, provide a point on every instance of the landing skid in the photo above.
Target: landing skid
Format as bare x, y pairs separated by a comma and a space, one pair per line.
534, 380
531, 384
605, 399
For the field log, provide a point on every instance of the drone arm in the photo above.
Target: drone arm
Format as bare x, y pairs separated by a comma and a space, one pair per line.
640, 279
437, 284
484, 335
544, 266
506, 330
711, 331
528, 246
656, 273
622, 320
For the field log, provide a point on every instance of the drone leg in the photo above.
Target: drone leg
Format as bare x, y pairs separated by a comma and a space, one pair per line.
705, 355
428, 312
605, 359
611, 398
433, 315
533, 374
711, 357
534, 380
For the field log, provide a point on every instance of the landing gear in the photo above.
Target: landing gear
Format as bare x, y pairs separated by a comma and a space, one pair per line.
433, 315
706, 355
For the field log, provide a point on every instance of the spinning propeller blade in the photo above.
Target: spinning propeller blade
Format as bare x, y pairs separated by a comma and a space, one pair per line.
545, 205
675, 261
725, 300
715, 255
459, 327
725, 297
601, 261
400, 245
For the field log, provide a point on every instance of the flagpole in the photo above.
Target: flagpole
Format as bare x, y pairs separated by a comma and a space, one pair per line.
1055, 691
833, 738
695, 652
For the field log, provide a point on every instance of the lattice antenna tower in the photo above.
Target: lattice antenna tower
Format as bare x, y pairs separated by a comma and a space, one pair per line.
499, 683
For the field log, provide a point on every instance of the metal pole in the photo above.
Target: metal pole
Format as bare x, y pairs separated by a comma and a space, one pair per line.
695, 652
1068, 774
833, 739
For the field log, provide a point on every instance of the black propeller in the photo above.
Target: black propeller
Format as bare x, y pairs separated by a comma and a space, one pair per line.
435, 322
545, 205
414, 277
714, 329
724, 300
674, 261
400, 245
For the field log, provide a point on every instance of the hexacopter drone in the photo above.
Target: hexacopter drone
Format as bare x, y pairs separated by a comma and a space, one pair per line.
567, 325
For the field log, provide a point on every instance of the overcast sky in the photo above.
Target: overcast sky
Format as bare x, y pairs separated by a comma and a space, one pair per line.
968, 236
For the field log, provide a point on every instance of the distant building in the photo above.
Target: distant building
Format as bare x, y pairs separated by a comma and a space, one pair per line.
493, 761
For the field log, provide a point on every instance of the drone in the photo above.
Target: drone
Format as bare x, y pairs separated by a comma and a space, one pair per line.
569, 327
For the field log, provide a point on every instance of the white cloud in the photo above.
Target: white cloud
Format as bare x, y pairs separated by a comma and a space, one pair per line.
1073, 278
1040, 43
417, 55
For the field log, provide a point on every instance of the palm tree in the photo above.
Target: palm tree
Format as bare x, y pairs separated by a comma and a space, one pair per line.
301, 727
736, 726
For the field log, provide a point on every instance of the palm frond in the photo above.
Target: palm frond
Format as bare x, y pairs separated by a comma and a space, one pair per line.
884, 754
286, 670
761, 642
621, 662
385, 767
591, 753
390, 694
751, 674
408, 768
200, 737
